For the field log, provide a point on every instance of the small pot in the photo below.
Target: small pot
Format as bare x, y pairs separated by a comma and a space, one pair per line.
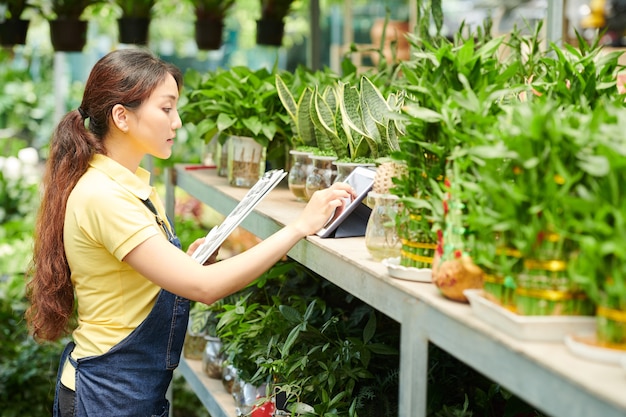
13, 32
134, 30
270, 32
68, 35
209, 33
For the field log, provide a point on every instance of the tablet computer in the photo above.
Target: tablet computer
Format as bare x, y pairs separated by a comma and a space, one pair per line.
353, 215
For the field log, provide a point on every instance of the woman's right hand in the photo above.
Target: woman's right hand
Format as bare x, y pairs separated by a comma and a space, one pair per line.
321, 206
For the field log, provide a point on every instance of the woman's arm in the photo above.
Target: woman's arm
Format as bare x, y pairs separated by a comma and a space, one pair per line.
177, 272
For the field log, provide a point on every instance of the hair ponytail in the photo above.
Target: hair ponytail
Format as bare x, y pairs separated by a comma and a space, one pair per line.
50, 289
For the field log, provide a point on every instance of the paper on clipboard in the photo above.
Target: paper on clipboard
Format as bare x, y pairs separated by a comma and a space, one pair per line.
218, 234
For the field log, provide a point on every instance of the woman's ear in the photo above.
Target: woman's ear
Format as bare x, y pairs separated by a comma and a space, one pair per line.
119, 115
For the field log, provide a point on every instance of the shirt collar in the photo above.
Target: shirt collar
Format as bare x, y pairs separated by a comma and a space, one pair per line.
137, 183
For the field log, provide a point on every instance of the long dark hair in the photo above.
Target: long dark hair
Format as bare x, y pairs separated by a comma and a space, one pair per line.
128, 77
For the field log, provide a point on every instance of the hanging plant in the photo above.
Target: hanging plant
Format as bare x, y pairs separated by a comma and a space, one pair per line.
68, 32
13, 28
271, 25
209, 25
134, 23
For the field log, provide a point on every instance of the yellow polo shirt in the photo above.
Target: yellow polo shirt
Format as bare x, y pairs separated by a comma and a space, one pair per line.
104, 221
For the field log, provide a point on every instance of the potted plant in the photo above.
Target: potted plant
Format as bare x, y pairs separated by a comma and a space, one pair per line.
304, 141
320, 349
441, 67
239, 103
598, 216
68, 33
134, 23
271, 26
511, 244
202, 323
13, 28
209, 24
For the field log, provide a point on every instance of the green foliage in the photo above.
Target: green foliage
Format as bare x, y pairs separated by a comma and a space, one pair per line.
66, 9
348, 121
449, 85
15, 8
302, 85
583, 76
275, 9
28, 369
320, 346
456, 390
212, 9
236, 101
185, 402
19, 181
136, 8
26, 99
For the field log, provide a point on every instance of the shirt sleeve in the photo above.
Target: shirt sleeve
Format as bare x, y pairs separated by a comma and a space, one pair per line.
118, 222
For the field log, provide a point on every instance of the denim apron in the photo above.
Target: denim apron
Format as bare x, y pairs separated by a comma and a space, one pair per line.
132, 378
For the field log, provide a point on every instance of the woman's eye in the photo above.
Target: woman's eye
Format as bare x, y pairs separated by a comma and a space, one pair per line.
167, 109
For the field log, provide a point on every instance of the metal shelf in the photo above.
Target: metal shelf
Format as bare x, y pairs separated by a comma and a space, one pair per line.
546, 375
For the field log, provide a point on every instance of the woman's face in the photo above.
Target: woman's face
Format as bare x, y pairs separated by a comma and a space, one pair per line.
153, 125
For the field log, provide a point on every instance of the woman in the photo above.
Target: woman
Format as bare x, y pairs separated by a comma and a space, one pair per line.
102, 250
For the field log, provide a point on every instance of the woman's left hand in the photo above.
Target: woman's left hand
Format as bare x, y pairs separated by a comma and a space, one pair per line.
192, 248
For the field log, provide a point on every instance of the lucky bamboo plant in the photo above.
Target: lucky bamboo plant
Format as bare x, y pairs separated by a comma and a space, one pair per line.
438, 70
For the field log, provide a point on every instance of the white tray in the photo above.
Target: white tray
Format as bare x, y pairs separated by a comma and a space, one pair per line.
533, 328
410, 274
583, 345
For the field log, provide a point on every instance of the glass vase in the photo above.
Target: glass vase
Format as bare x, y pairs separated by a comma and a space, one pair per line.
221, 152
212, 357
229, 375
322, 175
381, 237
246, 161
246, 396
194, 343
301, 167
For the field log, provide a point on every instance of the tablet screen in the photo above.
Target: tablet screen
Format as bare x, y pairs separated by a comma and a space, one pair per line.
361, 179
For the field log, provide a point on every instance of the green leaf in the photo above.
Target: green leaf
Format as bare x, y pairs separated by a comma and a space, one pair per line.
291, 338
425, 114
224, 121
286, 97
349, 105
291, 314
372, 97
370, 328
304, 123
596, 165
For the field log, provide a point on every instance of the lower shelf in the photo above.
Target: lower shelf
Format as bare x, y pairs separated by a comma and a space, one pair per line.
210, 391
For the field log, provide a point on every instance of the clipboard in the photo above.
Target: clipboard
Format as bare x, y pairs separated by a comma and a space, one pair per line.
350, 220
218, 234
